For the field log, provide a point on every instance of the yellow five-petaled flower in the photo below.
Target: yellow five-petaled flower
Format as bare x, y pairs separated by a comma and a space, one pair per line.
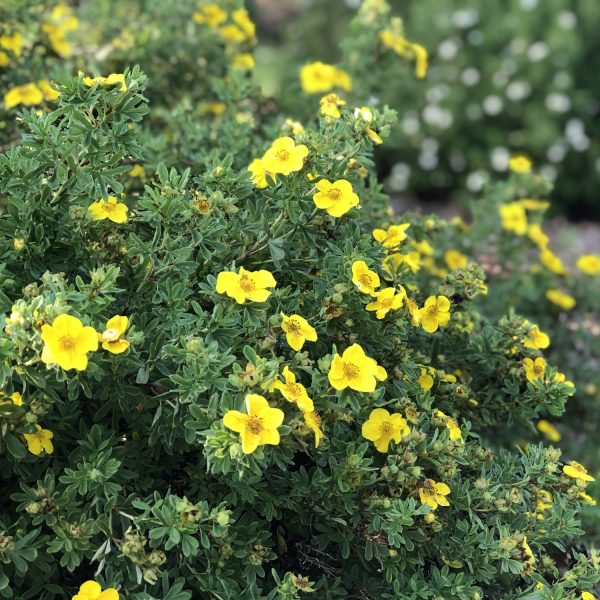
258, 426
364, 279
109, 209
91, 590
383, 427
284, 156
246, 285
386, 300
297, 331
393, 236
356, 370
337, 197
435, 313
534, 369
67, 342
434, 494
112, 336
293, 391
577, 471
39, 441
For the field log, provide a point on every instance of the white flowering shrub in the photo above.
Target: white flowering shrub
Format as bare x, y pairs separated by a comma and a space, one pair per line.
228, 371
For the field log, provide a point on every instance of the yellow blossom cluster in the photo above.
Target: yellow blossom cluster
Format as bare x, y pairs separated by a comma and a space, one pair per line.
30, 94
10, 44
233, 28
318, 77
57, 25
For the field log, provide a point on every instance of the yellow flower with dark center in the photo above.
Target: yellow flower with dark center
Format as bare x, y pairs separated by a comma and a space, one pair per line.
90, 590
337, 197
313, 422
109, 209
293, 391
548, 430
210, 14
356, 370
425, 379
451, 425
435, 313
434, 494
112, 337
50, 94
519, 164
39, 441
577, 471
536, 339
551, 261
589, 264
67, 342
455, 259
514, 218
27, 95
393, 236
112, 79
258, 426
383, 427
386, 300
246, 285
284, 156
536, 234
534, 369
259, 174
363, 278
560, 299
297, 331
330, 106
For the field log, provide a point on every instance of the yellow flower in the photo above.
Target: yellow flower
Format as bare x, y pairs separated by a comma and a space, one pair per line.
16, 399
295, 126
413, 310
13, 43
451, 425
337, 197
112, 79
49, 92
577, 471
529, 557
112, 337
28, 95
514, 218
559, 298
551, 261
386, 300
232, 34
210, 14
406, 49
536, 339
548, 430
242, 19
363, 278
381, 428
297, 331
587, 499
423, 247
67, 342
435, 313
246, 285
330, 106
259, 174
536, 234
434, 494
293, 391
90, 590
562, 378
342, 79
317, 77
313, 422
39, 441
138, 171
425, 379
534, 369
589, 264
354, 369
519, 164
284, 156
109, 209
392, 263
455, 260
4, 59
373, 136
243, 61
421, 60
393, 236
258, 426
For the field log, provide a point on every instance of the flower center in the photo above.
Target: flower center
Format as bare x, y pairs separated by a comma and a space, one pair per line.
428, 488
432, 311
294, 389
254, 425
538, 369
110, 335
351, 370
365, 280
246, 283
67, 343
334, 194
109, 207
293, 325
386, 428
283, 155
386, 302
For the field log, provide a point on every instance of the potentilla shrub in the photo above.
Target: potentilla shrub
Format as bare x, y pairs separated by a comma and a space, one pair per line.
232, 385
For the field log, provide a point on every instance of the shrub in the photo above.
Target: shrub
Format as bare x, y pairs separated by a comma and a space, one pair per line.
236, 381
